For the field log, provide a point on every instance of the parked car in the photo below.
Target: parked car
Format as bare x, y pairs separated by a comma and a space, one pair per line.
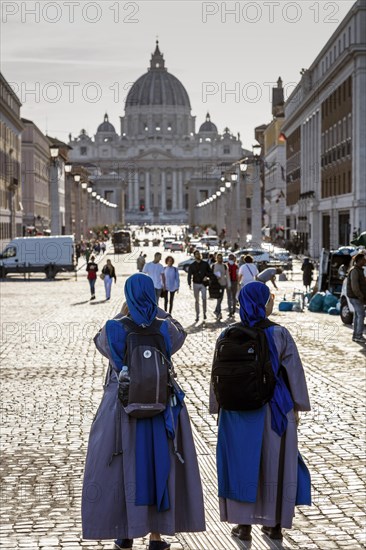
167, 242
281, 259
184, 265
177, 246
260, 257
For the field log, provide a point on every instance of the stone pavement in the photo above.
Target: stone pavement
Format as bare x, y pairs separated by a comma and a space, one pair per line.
52, 379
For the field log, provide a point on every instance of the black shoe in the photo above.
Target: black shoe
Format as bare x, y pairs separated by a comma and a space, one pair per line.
274, 533
243, 532
205, 317
197, 319
158, 545
123, 544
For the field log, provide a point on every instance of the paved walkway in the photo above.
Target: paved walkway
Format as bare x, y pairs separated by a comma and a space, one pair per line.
52, 383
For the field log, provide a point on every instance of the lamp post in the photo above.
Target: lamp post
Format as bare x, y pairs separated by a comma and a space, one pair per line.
255, 162
54, 192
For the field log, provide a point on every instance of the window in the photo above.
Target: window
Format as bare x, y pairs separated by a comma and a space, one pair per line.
249, 202
226, 150
169, 204
10, 252
83, 151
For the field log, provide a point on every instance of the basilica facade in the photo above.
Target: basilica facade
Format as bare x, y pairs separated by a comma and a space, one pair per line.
157, 167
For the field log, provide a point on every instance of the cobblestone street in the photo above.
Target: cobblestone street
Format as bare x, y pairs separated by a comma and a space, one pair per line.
52, 380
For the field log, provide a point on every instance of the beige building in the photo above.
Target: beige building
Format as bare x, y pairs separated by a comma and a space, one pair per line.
158, 168
10, 162
35, 179
326, 141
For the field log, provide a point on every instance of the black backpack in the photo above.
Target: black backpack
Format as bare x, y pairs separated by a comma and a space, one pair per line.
145, 391
214, 287
242, 374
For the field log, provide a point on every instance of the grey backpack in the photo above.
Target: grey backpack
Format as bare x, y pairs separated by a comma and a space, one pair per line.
144, 389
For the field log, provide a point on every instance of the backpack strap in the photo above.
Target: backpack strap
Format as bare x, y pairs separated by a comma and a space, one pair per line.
128, 323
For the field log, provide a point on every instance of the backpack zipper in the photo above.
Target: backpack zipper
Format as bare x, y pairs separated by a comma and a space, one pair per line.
158, 378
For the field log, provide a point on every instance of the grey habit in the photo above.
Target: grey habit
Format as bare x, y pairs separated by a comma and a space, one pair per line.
108, 500
275, 502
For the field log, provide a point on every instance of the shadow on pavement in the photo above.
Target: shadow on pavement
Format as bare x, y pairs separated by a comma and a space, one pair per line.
80, 303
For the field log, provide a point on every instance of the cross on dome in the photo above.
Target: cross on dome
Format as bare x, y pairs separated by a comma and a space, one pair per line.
157, 59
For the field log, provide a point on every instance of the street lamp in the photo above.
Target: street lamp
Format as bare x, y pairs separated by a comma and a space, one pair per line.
257, 149
227, 184
89, 188
84, 185
54, 150
68, 166
77, 178
222, 189
233, 177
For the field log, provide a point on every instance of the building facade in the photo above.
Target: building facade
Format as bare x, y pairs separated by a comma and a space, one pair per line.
35, 179
158, 168
275, 169
326, 141
10, 163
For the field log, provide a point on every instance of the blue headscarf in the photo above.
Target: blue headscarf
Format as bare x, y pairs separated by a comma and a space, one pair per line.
253, 298
141, 300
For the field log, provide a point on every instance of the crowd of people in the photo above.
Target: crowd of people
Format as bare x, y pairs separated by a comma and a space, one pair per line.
261, 474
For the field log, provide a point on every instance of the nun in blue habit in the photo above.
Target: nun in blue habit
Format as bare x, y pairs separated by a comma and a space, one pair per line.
261, 474
141, 475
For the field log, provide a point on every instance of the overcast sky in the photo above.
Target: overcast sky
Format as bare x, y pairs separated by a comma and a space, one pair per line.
81, 57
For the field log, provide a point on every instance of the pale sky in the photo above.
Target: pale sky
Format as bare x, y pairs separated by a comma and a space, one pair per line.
79, 58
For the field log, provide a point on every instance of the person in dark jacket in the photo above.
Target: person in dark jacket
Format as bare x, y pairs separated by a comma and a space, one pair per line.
307, 269
109, 273
356, 292
200, 272
92, 269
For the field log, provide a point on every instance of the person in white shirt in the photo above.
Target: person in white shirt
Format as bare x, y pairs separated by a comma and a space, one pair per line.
155, 270
248, 271
171, 283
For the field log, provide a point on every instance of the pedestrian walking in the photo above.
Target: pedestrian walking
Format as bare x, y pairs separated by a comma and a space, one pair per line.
248, 271
307, 269
87, 253
233, 288
155, 270
92, 269
261, 475
171, 276
108, 274
356, 292
141, 260
221, 272
200, 272
142, 453
269, 275
103, 247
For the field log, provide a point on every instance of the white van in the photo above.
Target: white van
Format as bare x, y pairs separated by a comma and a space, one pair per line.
48, 255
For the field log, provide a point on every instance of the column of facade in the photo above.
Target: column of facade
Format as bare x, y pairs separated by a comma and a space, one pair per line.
174, 191
163, 191
180, 190
136, 190
130, 191
147, 191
